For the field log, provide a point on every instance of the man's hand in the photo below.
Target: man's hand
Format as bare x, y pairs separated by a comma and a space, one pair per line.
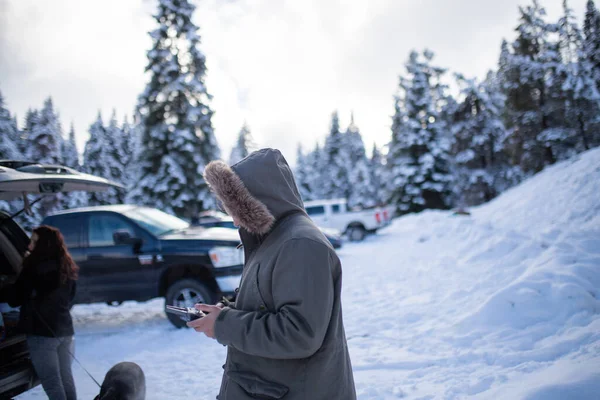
206, 324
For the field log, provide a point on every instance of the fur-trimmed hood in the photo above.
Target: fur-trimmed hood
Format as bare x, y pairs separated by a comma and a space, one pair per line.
257, 190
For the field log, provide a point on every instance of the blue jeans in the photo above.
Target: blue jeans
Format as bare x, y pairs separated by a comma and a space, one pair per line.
52, 358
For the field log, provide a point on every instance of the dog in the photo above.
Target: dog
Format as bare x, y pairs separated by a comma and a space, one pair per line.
124, 381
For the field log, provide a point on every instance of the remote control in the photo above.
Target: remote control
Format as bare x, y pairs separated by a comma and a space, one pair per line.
186, 313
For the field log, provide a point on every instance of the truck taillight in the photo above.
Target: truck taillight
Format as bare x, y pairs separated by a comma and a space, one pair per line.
378, 217
385, 215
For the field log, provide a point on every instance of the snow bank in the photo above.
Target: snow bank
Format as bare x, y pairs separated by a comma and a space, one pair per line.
556, 217
478, 303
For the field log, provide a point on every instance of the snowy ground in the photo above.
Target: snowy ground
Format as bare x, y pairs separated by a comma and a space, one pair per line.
503, 304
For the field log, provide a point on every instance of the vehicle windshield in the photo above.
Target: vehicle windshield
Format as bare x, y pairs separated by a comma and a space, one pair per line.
157, 222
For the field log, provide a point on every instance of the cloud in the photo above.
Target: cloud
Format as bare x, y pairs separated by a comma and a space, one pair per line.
296, 62
84, 54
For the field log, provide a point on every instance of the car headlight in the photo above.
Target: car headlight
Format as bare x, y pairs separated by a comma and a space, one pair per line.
226, 256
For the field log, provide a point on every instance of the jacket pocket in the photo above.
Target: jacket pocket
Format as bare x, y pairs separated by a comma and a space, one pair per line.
257, 387
263, 304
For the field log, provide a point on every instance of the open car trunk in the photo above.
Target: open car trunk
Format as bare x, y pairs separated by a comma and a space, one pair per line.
16, 374
19, 179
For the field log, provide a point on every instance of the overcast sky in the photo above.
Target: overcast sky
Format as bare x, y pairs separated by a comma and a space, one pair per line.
281, 65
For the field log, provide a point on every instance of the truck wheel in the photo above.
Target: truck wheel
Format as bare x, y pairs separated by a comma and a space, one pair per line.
186, 293
356, 233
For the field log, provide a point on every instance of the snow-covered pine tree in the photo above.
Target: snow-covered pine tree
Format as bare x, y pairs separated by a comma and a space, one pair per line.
316, 173
482, 169
44, 145
361, 192
74, 200
96, 159
116, 156
71, 160
130, 145
580, 88
175, 117
378, 178
45, 138
558, 134
244, 145
31, 120
570, 36
8, 133
336, 177
301, 174
134, 194
19, 139
354, 142
591, 38
418, 161
507, 174
27, 221
69, 151
525, 81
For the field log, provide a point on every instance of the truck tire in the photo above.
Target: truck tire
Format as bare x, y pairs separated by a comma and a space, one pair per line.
186, 293
356, 233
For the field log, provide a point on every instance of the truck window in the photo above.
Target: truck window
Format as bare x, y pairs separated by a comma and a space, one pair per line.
102, 226
70, 227
335, 209
316, 210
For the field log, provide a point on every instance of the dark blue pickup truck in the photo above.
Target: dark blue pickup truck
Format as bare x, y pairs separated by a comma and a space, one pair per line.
128, 252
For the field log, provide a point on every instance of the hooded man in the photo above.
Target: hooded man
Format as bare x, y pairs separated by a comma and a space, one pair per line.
284, 334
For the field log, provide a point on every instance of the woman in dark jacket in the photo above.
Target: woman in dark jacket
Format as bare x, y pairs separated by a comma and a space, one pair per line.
44, 290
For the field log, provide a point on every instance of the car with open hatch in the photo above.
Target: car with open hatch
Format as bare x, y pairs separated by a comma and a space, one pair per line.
20, 179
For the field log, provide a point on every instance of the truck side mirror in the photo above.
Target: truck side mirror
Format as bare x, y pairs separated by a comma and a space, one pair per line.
122, 237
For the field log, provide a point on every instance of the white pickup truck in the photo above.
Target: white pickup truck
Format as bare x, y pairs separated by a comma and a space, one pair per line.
334, 214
